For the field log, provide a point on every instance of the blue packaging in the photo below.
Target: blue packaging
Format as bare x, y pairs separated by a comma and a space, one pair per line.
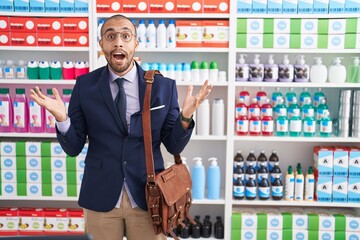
340, 189
354, 190
259, 6
305, 6
323, 188
352, 6
21, 6
213, 179
198, 179
337, 6
290, 6
37, 5
52, 5
7, 5
81, 6
274, 6
244, 6
67, 5
321, 6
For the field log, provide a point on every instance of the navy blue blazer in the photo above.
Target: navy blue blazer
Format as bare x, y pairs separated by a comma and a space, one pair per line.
112, 156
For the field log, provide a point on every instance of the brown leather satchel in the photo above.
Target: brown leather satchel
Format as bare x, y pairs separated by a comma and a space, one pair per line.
168, 193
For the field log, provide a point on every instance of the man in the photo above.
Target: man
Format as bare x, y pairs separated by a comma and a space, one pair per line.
113, 187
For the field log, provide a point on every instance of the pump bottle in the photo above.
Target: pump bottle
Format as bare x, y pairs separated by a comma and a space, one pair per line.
256, 70
301, 70
337, 71
318, 71
198, 179
354, 71
286, 70
213, 179
242, 70
271, 70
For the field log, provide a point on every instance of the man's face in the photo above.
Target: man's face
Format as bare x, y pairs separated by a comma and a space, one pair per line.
118, 42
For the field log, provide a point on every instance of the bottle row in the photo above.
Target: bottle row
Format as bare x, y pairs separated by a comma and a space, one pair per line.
298, 72
45, 6
23, 115
54, 70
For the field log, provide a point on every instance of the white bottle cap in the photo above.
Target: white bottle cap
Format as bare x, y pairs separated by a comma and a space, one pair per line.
242, 59
271, 59
198, 161
213, 161
301, 60
257, 59
286, 59
356, 61
318, 60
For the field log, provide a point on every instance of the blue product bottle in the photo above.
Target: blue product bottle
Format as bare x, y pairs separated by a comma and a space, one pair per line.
198, 179
213, 179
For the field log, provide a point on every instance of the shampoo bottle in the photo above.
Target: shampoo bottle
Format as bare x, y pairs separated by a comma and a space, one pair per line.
44, 70
213, 72
299, 186
289, 184
33, 70
218, 117
49, 118
318, 71
21, 111
6, 111
301, 70
55, 70
203, 118
198, 179
309, 185
141, 34
256, 70
171, 34
354, 71
242, 70
36, 117
271, 70
213, 179
286, 70
337, 71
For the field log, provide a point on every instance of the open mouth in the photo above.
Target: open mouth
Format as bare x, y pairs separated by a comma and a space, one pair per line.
119, 56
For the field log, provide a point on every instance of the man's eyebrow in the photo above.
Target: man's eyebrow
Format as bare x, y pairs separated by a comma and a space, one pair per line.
112, 29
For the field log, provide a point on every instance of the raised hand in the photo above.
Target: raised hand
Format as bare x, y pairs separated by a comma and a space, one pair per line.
55, 106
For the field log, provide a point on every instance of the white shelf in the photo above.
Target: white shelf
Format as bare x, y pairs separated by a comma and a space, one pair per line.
208, 138
27, 135
283, 203
280, 15
167, 15
44, 49
181, 50
209, 202
297, 139
296, 51
30, 81
297, 84
45, 14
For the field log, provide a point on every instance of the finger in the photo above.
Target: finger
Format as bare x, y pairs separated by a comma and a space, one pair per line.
39, 93
189, 90
56, 94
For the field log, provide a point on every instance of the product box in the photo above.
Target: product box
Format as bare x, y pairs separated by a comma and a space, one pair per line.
352, 25
189, 33
81, 6
58, 164
249, 41
23, 39
295, 234
58, 177
249, 220
352, 6
50, 39
249, 234
4, 38
340, 189
259, 6
52, 25
9, 221
21, 6
321, 222
37, 5
79, 177
9, 189
56, 150
75, 25
305, 6
274, 234
341, 162
33, 163
32, 149
32, 176
244, 6
8, 163
215, 6
323, 189
189, 6
52, 5
309, 26
7, 6
352, 223
295, 219
76, 40
109, 6
67, 5
281, 41
76, 223
250, 25
59, 190
216, 33
321, 6
331, 26
32, 189
281, 25
354, 190
22, 24
4, 24
336, 41
347, 235
55, 221
80, 163
8, 176
135, 6
336, 6
31, 221
290, 6
162, 6
274, 220
354, 162
308, 41
323, 161
328, 235
274, 6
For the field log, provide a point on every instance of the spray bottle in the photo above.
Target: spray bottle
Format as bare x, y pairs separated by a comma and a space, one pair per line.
213, 179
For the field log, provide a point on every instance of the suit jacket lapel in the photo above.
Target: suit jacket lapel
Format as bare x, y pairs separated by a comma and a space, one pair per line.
106, 93
142, 85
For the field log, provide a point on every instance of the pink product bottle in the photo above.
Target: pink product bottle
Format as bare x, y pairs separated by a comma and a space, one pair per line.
36, 117
68, 70
266, 109
49, 118
66, 98
261, 97
80, 68
246, 96
267, 126
242, 125
240, 109
21, 111
255, 126
254, 109
6, 111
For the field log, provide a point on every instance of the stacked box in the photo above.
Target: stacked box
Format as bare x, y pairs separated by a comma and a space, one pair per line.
31, 221
9, 221
55, 221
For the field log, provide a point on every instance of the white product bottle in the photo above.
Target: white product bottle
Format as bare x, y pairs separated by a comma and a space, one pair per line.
170, 70
163, 69
100, 24
161, 35
289, 184
218, 116
101, 62
299, 186
337, 71
151, 35
213, 72
195, 71
141, 34
178, 72
204, 71
183, 159
203, 118
186, 72
171, 35
21, 70
309, 185
9, 70
318, 71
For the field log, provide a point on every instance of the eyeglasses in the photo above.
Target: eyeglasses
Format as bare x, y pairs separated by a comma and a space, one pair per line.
125, 36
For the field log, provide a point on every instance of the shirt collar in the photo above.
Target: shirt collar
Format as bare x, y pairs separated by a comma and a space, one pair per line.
130, 76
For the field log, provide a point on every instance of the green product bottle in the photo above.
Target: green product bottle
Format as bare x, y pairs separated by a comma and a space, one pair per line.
295, 126
294, 109
280, 109
303, 96
317, 97
282, 126
353, 75
275, 97
307, 110
326, 125
321, 110
289, 97
309, 126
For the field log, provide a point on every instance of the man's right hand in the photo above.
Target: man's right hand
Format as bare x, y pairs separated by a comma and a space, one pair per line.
55, 106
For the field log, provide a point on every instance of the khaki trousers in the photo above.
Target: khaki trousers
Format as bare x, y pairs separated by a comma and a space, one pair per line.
111, 225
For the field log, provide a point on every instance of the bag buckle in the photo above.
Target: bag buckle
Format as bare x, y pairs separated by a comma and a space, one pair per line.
156, 218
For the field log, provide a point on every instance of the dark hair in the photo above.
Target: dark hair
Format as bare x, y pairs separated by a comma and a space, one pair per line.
118, 16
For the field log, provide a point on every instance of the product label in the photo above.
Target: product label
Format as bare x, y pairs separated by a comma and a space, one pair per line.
50, 120
4, 114
267, 126
264, 192
280, 112
295, 125
309, 126
277, 191
35, 114
242, 126
9, 72
294, 112
250, 192
255, 126
241, 111
307, 112
239, 191
19, 115
282, 125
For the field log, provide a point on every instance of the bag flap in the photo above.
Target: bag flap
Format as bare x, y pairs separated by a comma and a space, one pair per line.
174, 182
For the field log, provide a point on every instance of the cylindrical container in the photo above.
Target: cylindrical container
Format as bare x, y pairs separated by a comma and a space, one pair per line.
55, 70
198, 177
20, 70
299, 186
170, 71
213, 179
242, 125
44, 70
309, 185
151, 35
195, 71
178, 72
204, 71
161, 35
33, 70
21, 111
289, 184
171, 35
218, 117
36, 117
141, 33
49, 118
79, 68
68, 70
203, 118
6, 111
214, 72
186, 72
